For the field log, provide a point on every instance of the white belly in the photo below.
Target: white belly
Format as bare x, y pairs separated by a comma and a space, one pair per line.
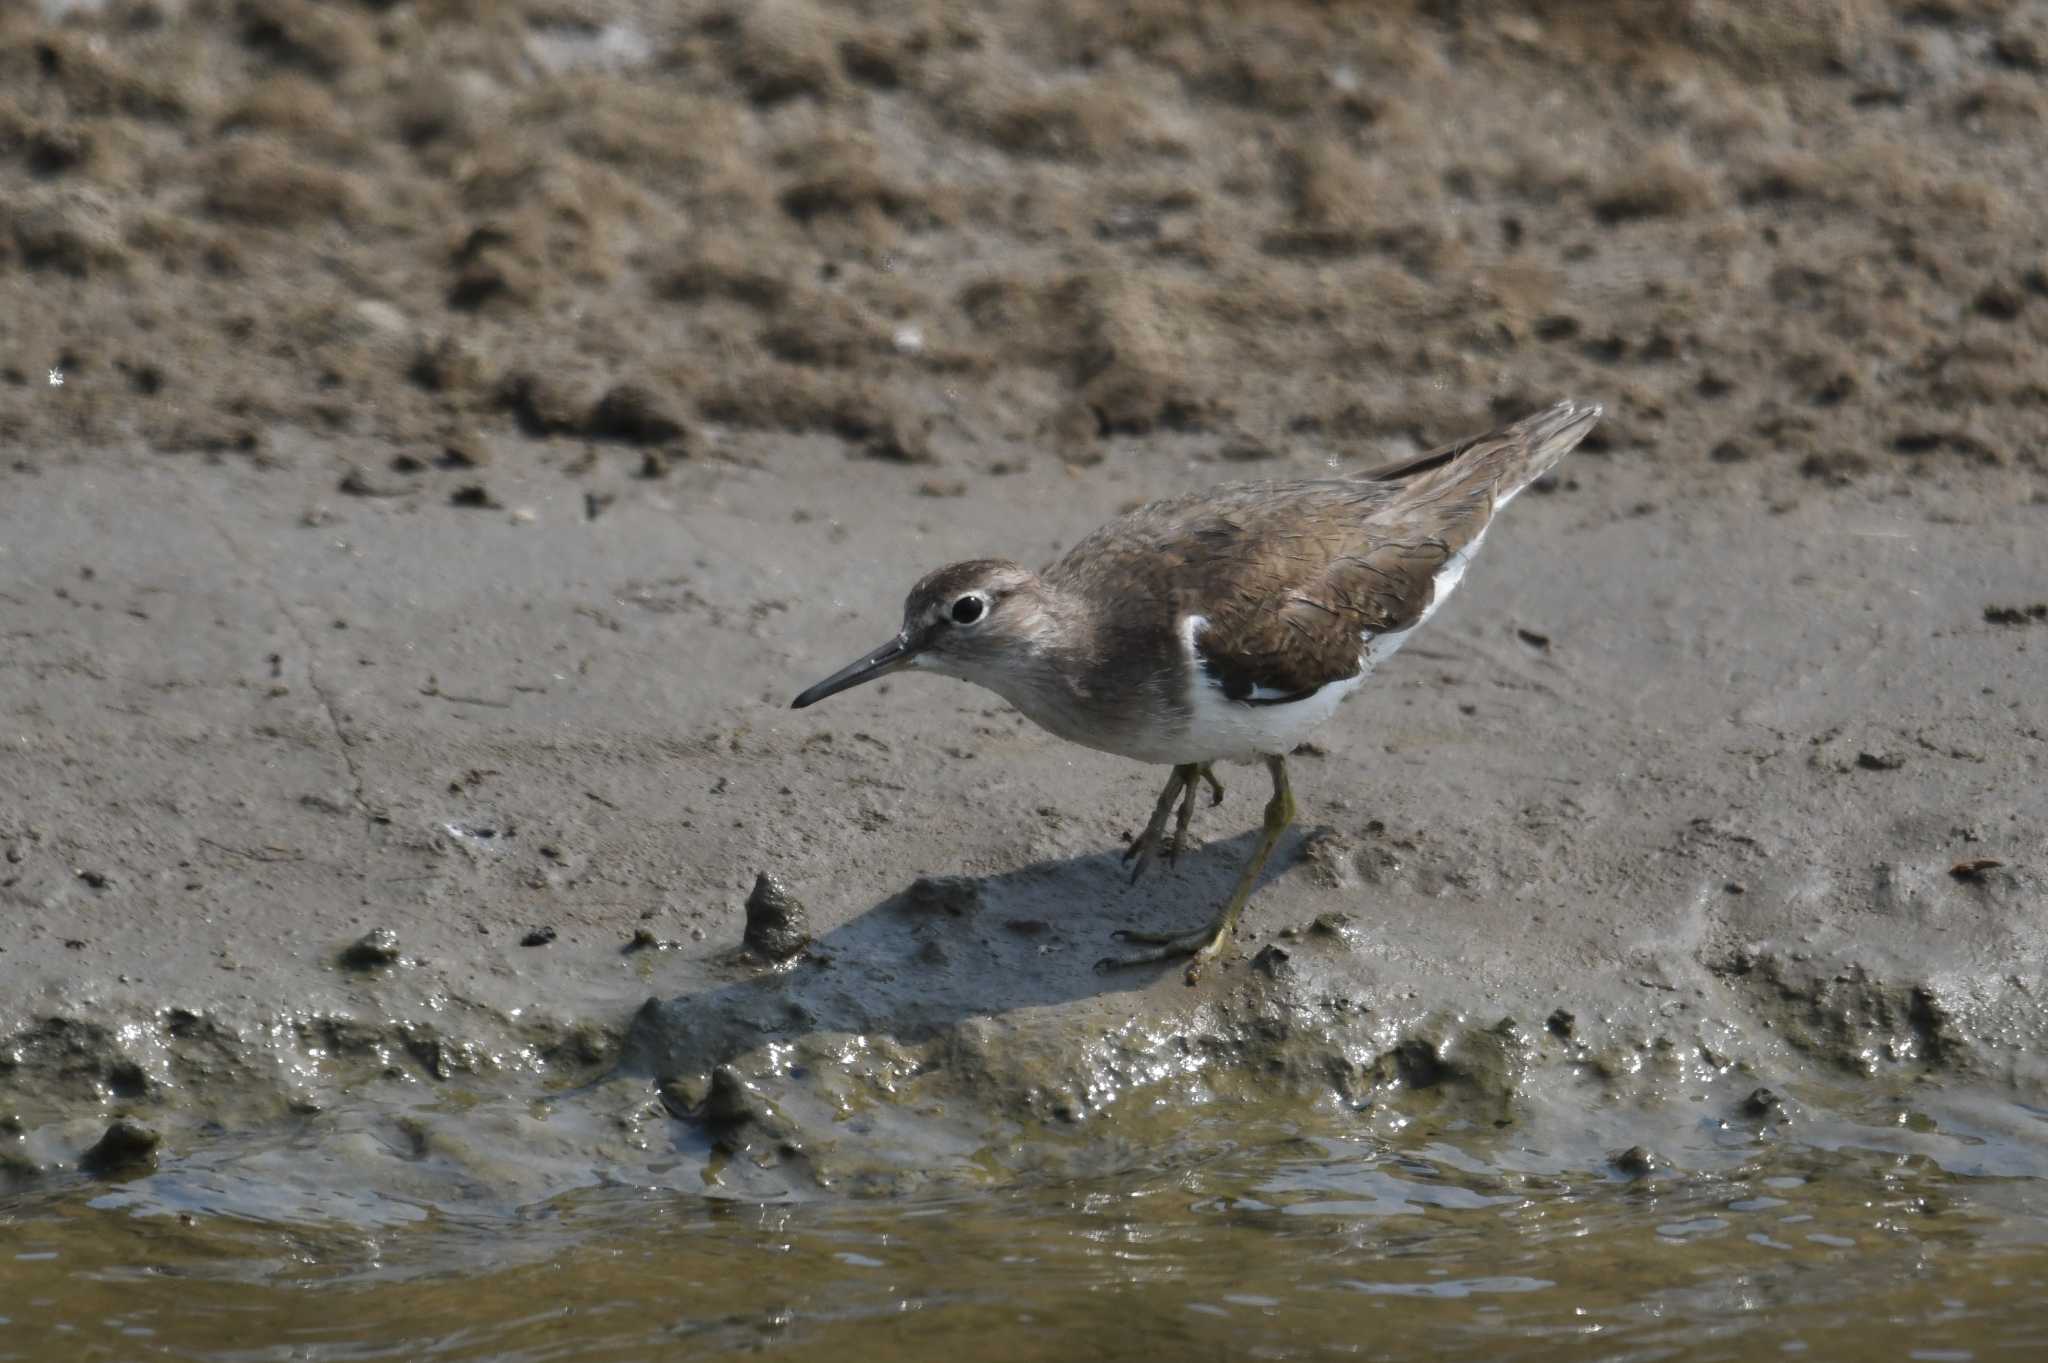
1224, 730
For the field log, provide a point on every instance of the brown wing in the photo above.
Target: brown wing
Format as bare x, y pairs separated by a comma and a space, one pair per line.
1290, 613
1299, 578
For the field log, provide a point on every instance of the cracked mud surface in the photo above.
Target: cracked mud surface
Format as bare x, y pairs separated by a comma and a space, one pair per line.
478, 421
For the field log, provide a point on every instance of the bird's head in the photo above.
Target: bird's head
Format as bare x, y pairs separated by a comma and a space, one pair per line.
971, 620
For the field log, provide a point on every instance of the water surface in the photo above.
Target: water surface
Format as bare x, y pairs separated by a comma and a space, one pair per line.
1894, 1234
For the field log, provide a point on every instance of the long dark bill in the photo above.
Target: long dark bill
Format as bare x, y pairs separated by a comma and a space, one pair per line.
880, 663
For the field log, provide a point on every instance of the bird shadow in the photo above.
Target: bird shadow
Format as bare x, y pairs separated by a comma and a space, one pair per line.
944, 949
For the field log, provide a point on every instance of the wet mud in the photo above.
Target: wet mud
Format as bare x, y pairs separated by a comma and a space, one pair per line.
476, 421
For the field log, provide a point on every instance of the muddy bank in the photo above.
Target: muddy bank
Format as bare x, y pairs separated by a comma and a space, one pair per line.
376, 807
475, 423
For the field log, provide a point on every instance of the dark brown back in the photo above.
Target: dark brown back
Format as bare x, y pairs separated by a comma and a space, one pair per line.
1293, 577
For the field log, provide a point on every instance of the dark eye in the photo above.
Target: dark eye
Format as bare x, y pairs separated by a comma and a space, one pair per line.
968, 609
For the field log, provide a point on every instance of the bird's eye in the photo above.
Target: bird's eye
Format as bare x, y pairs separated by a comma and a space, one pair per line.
968, 609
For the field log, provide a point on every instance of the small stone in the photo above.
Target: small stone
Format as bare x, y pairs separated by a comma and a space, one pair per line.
377, 947
126, 1147
1879, 761
539, 937
381, 316
1560, 1022
778, 926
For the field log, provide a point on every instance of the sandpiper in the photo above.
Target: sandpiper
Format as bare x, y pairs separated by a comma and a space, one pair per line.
1222, 626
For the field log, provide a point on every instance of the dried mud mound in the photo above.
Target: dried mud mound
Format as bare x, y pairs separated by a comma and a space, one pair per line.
935, 230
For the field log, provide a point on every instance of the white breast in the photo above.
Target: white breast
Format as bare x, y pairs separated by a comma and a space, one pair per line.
1224, 730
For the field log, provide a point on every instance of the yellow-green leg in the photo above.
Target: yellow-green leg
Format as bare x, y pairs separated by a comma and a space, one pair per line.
1205, 942
1204, 772
1180, 784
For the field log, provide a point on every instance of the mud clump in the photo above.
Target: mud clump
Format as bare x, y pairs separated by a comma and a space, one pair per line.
778, 925
1638, 1162
1762, 1103
126, 1148
1851, 1018
1273, 961
744, 1122
1331, 858
1663, 183
375, 948
954, 896
75, 232
631, 414
261, 184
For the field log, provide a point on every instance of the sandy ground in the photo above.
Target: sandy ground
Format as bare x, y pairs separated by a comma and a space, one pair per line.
478, 420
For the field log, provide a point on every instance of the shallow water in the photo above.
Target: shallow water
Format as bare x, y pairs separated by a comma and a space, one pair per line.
1895, 1233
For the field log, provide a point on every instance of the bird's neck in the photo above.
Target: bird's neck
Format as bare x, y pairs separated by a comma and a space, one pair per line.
1050, 673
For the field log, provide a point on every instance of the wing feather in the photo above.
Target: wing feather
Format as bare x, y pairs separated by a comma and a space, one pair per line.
1294, 578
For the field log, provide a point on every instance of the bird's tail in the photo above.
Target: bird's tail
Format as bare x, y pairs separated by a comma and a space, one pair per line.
1502, 462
